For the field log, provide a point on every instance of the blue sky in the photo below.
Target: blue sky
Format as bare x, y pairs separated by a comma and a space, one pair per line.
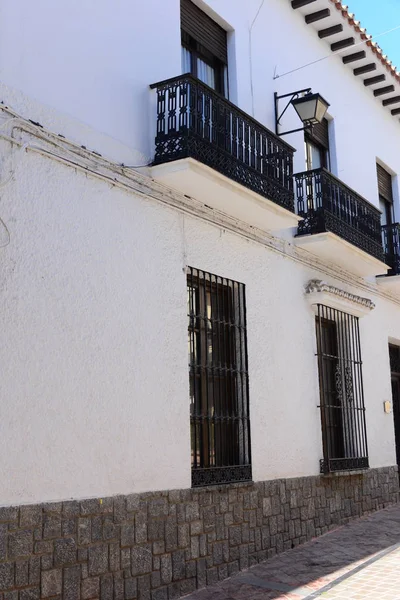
378, 16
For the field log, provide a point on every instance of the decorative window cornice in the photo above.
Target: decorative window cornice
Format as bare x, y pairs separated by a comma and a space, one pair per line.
320, 292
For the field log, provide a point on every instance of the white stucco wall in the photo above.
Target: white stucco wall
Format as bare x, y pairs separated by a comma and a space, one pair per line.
84, 70
94, 386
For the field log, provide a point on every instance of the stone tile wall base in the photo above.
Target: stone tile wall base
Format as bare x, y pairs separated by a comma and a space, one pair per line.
163, 545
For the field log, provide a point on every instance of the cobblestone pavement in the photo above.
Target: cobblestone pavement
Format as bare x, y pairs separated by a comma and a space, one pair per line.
359, 561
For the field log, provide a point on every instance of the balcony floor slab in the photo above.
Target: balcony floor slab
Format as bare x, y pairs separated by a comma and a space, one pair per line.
331, 248
217, 191
391, 283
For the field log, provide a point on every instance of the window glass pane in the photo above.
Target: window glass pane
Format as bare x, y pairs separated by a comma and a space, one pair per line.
382, 207
315, 156
205, 73
186, 60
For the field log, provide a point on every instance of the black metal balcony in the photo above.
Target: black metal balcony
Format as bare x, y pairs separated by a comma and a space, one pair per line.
391, 247
327, 204
195, 121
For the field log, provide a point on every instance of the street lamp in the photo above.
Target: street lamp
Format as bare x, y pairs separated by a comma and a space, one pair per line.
311, 109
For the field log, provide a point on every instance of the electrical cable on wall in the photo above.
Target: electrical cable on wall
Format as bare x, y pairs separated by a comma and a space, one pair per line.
314, 62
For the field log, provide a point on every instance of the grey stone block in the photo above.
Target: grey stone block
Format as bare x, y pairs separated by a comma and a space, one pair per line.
34, 570
111, 530
72, 583
32, 593
20, 543
141, 560
183, 535
160, 594
84, 531
3, 541
21, 573
46, 562
118, 587
130, 588
30, 516
235, 535
98, 559
178, 565
166, 568
71, 508
90, 588
126, 558
51, 583
6, 576
114, 556
106, 587
51, 526
171, 534
158, 507
174, 591
133, 502
9, 514
97, 529
155, 579
155, 530
90, 506
128, 535
68, 526
120, 513
140, 528
64, 551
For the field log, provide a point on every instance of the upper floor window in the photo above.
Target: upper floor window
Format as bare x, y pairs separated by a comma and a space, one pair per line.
317, 146
204, 47
218, 375
344, 433
385, 195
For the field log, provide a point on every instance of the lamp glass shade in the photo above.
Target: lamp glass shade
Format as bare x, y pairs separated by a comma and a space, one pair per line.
311, 108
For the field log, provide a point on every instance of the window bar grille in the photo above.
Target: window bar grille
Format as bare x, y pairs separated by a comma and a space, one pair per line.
218, 374
342, 407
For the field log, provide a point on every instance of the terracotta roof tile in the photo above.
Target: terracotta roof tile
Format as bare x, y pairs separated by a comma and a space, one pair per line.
376, 49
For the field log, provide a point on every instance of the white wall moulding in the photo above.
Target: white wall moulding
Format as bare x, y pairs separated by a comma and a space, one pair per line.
320, 292
203, 183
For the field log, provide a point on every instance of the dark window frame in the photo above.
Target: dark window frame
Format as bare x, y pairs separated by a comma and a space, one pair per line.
197, 50
342, 408
218, 377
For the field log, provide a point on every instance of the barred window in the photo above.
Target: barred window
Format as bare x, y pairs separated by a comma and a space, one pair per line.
219, 398
342, 408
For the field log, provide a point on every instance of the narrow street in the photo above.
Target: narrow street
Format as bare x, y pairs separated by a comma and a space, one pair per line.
359, 561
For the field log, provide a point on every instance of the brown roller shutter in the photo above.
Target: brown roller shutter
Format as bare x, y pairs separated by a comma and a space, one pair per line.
320, 134
204, 30
384, 183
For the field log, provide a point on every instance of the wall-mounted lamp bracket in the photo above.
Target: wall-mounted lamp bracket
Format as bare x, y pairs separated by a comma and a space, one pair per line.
311, 109
278, 116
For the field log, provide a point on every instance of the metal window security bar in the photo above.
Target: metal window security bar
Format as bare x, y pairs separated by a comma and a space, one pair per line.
218, 374
326, 204
342, 408
195, 121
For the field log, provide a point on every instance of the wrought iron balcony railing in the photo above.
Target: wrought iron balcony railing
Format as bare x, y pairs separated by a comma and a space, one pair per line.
391, 247
327, 204
195, 121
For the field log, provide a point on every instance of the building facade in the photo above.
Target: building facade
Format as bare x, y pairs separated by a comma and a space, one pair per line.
200, 315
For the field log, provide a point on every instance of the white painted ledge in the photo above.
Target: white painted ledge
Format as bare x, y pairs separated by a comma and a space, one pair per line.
333, 249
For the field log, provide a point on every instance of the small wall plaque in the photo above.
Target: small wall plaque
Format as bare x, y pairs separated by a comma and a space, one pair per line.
387, 406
